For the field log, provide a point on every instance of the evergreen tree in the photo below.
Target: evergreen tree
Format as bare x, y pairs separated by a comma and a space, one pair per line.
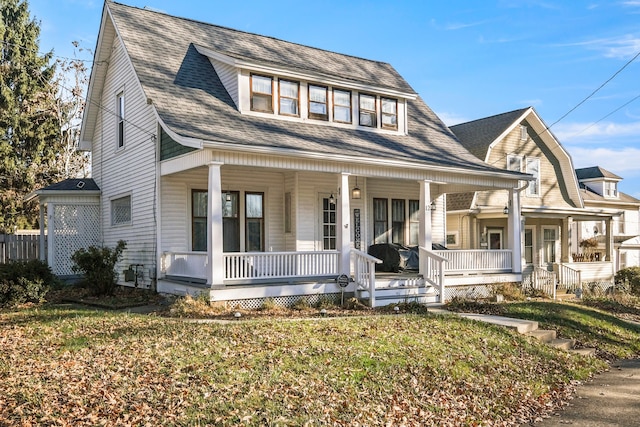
29, 129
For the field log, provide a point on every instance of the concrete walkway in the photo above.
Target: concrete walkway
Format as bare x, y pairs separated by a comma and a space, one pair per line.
611, 399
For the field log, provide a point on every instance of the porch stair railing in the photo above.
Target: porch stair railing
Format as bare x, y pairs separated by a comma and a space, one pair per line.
434, 269
364, 267
543, 280
569, 278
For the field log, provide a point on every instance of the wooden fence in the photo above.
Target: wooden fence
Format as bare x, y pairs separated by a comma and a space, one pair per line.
18, 247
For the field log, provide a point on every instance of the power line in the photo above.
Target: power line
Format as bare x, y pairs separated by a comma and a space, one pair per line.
611, 113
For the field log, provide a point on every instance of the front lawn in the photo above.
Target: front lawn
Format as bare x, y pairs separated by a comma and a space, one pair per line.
66, 366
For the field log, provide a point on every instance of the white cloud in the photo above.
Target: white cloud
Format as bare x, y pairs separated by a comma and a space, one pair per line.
451, 119
624, 47
577, 132
623, 162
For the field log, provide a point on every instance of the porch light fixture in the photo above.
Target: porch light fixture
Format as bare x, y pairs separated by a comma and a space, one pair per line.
228, 196
432, 206
355, 193
505, 210
332, 199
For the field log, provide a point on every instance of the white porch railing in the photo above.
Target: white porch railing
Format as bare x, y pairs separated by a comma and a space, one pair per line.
364, 267
280, 265
191, 265
477, 260
434, 269
568, 277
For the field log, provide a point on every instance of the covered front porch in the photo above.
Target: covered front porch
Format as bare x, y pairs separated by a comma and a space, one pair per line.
282, 233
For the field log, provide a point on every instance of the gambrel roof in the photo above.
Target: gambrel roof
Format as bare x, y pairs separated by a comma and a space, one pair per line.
480, 136
193, 104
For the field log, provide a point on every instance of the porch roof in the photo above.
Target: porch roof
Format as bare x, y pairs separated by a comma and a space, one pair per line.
192, 102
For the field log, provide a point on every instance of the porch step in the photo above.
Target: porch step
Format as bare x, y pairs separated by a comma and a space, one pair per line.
545, 335
398, 292
563, 343
420, 299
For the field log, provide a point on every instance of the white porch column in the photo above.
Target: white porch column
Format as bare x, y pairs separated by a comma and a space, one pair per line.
515, 232
609, 242
424, 228
215, 272
566, 252
42, 248
342, 221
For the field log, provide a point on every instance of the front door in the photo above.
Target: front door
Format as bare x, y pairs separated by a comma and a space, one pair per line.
494, 237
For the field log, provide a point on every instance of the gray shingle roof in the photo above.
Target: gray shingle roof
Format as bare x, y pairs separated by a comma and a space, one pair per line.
589, 195
477, 135
74, 184
595, 172
192, 101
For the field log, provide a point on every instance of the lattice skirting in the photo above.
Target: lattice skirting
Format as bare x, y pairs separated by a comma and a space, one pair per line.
284, 301
468, 292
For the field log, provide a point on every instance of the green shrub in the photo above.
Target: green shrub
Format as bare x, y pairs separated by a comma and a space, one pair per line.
629, 275
97, 265
25, 281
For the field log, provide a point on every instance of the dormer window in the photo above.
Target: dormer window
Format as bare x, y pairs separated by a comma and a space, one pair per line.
389, 113
341, 106
318, 103
289, 98
610, 189
261, 93
368, 111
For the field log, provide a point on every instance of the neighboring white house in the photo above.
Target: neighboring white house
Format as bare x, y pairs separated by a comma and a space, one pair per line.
251, 167
599, 190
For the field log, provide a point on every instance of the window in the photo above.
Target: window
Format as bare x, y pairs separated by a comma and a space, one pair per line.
514, 163
230, 221
549, 245
120, 110
414, 222
389, 113
261, 93
397, 221
610, 189
452, 238
528, 245
524, 135
318, 103
288, 98
533, 167
328, 224
198, 220
368, 110
621, 224
380, 221
254, 206
121, 210
341, 106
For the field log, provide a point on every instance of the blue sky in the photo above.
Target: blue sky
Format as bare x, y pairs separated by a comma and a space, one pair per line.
467, 59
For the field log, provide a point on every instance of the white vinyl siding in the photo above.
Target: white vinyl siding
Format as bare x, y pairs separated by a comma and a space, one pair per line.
228, 75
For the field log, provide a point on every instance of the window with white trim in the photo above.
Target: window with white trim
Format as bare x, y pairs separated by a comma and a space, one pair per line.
289, 99
318, 103
549, 242
121, 210
528, 245
368, 112
389, 113
120, 117
341, 106
524, 135
261, 93
610, 189
533, 168
514, 163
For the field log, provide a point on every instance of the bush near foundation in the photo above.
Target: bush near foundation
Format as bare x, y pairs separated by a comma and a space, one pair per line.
25, 281
629, 275
98, 267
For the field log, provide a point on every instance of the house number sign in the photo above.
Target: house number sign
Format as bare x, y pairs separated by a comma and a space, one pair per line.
356, 228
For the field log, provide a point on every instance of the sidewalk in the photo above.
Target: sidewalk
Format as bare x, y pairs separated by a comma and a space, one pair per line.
611, 399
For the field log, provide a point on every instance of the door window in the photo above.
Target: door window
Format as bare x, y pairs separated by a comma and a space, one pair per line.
328, 224
254, 222
495, 239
